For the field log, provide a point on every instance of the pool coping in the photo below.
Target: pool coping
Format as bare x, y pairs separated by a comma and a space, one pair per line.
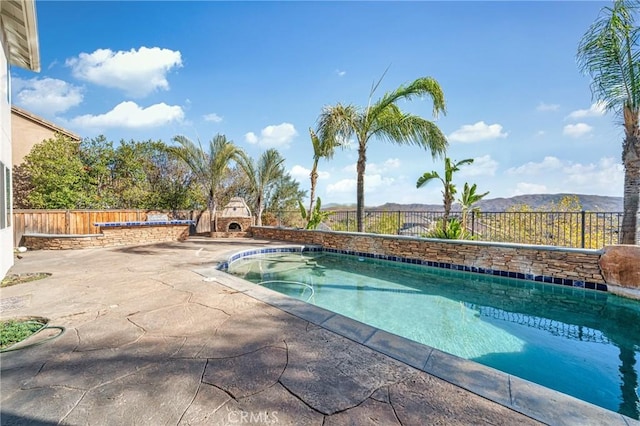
523, 396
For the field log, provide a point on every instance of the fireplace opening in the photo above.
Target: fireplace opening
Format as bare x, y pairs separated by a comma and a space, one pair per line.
235, 227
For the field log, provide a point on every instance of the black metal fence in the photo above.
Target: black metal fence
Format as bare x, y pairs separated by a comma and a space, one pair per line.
564, 229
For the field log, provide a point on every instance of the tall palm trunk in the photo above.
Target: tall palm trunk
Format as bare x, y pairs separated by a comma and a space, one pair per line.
314, 181
631, 161
448, 200
362, 162
213, 208
259, 209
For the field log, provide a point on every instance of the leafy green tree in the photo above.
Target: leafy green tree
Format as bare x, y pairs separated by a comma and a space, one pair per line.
449, 189
129, 174
56, 175
210, 167
22, 186
285, 195
98, 156
609, 53
173, 185
467, 200
322, 148
262, 177
385, 121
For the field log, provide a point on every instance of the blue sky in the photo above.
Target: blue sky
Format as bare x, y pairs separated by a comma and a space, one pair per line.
261, 72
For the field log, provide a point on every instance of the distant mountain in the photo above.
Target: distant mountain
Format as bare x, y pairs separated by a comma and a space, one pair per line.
540, 201
535, 201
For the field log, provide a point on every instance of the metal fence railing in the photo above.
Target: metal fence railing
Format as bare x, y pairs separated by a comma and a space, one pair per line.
580, 229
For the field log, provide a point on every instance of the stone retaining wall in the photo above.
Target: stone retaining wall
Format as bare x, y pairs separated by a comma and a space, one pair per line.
109, 237
577, 265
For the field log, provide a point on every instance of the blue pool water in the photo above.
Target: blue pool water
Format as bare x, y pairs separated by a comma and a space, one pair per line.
581, 342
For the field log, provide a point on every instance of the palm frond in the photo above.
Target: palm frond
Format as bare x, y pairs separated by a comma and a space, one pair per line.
323, 148
408, 129
421, 87
426, 178
338, 123
610, 54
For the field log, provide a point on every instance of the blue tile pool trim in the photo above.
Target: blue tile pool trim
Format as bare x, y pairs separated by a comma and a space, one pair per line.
443, 265
145, 223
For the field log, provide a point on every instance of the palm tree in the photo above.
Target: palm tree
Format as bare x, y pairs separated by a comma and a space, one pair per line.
321, 149
449, 189
210, 167
609, 53
468, 199
384, 120
262, 177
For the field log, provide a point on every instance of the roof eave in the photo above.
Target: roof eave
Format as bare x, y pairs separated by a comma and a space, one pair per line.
21, 29
32, 35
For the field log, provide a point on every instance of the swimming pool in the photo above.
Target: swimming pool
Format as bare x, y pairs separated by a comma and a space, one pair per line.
580, 342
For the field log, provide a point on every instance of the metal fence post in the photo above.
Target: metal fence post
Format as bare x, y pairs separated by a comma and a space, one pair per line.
398, 231
473, 223
582, 227
347, 220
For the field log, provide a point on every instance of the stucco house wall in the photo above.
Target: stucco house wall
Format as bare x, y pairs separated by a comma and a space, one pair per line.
18, 47
6, 232
27, 130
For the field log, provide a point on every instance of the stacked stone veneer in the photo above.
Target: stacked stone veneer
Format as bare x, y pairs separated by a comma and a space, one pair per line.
111, 236
540, 263
224, 222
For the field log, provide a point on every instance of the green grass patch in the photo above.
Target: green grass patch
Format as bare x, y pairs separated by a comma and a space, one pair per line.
14, 279
14, 331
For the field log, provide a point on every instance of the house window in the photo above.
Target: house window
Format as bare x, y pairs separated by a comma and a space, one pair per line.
4, 196
8, 192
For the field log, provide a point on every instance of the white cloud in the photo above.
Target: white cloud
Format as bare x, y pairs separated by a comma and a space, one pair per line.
477, 132
47, 96
532, 168
274, 136
552, 175
375, 168
547, 107
301, 173
131, 115
342, 186
136, 72
386, 167
351, 168
576, 130
371, 183
481, 166
595, 110
392, 163
341, 73
251, 137
606, 173
213, 117
529, 188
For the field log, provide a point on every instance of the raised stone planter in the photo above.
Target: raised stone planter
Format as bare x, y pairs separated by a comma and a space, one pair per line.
113, 234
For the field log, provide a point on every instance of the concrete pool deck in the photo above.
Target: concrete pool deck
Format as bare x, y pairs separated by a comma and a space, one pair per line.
156, 335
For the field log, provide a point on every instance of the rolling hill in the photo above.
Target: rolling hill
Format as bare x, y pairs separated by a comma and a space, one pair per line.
536, 201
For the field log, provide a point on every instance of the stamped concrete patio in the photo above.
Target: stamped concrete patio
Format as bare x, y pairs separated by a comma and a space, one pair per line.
154, 335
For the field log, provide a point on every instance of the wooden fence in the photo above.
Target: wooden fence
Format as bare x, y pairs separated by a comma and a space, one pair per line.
80, 222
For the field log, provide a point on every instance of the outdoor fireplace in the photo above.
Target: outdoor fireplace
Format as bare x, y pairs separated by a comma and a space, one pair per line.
234, 220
